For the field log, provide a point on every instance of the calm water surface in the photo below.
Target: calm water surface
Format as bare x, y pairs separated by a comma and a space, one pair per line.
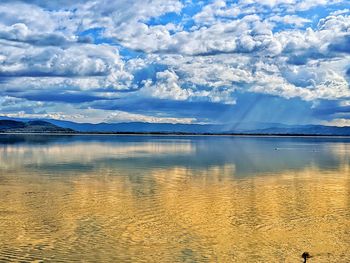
174, 199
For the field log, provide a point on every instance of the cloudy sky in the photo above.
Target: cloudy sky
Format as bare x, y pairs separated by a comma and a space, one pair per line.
179, 61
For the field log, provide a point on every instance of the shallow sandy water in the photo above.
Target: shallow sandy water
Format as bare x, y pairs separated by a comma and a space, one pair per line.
152, 199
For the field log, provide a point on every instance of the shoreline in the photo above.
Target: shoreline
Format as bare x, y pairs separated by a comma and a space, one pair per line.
177, 134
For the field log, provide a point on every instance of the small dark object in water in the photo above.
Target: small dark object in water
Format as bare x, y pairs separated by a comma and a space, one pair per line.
305, 256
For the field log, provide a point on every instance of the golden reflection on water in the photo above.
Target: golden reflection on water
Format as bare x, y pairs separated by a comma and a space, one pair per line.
175, 214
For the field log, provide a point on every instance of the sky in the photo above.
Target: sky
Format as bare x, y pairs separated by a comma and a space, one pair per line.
176, 61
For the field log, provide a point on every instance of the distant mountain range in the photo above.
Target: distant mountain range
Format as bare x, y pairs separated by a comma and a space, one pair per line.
22, 125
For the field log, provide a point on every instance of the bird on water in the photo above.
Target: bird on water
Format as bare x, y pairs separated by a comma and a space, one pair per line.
305, 256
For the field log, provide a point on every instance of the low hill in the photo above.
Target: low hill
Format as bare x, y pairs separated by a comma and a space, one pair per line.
37, 126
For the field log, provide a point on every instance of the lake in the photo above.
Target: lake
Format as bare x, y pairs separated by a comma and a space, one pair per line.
174, 198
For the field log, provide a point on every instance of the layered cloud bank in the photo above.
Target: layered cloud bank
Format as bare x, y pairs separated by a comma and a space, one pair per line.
176, 61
